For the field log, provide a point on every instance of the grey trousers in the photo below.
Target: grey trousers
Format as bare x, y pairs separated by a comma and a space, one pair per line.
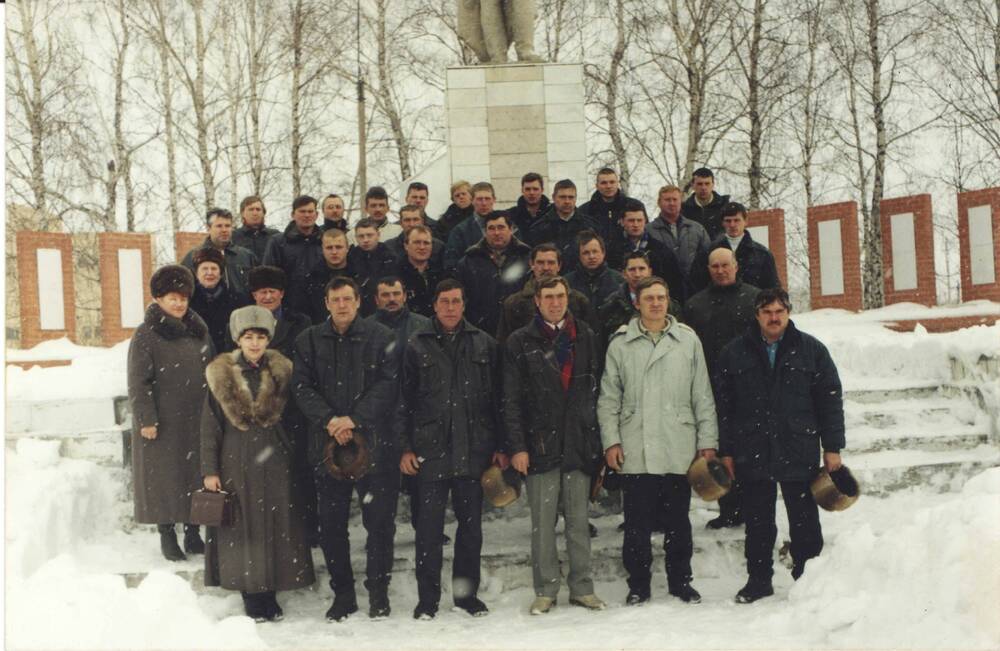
548, 493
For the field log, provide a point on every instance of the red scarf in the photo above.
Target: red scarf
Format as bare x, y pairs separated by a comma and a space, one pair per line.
564, 342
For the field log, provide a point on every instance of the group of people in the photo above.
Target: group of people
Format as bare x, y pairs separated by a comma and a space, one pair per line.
547, 338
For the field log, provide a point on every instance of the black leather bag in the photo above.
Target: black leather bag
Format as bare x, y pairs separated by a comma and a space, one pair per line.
212, 509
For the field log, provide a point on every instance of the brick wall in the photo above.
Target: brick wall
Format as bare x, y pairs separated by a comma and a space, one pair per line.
109, 244
919, 206
27, 243
774, 219
184, 241
847, 213
966, 200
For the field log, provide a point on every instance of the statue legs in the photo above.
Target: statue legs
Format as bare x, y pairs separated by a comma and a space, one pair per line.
470, 29
521, 24
494, 30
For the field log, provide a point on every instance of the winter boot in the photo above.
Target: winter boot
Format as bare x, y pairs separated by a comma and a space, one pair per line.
269, 603
425, 611
254, 606
754, 590
473, 606
168, 543
686, 593
378, 604
193, 544
343, 607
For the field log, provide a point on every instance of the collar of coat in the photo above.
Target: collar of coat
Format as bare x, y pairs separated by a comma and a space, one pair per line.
293, 234
358, 328
791, 336
168, 327
597, 199
723, 242
229, 385
482, 249
632, 331
717, 200
433, 328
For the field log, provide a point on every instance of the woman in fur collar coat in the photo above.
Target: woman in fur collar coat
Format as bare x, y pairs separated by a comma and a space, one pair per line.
245, 451
166, 363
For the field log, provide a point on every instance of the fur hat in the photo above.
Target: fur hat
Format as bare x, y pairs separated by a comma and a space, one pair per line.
835, 491
266, 277
171, 278
501, 487
347, 462
251, 316
709, 479
208, 254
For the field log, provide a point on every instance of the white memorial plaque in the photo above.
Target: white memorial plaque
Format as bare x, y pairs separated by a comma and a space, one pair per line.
981, 246
130, 285
904, 252
831, 258
51, 311
761, 235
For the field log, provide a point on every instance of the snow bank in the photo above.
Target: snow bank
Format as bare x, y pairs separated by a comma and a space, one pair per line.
93, 373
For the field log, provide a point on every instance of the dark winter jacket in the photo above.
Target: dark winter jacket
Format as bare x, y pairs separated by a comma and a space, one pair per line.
340, 225
756, 265
319, 276
166, 388
556, 427
596, 285
243, 442
299, 256
523, 220
287, 329
607, 221
254, 239
487, 284
239, 262
352, 374
449, 412
367, 267
466, 234
214, 308
690, 242
395, 245
562, 233
772, 421
662, 261
419, 286
519, 309
449, 219
719, 314
710, 217
403, 323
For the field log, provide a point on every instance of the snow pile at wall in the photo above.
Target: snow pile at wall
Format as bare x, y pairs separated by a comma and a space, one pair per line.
93, 373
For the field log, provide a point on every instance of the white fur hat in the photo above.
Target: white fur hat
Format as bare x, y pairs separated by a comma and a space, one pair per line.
251, 316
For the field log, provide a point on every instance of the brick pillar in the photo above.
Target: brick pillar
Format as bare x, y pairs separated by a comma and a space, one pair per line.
767, 227
126, 267
184, 241
45, 282
834, 256
979, 241
908, 250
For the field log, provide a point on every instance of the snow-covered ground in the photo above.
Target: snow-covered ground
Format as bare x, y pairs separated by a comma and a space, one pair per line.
918, 568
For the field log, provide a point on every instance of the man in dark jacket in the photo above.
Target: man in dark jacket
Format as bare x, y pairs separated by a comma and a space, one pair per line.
213, 300
662, 259
780, 398
593, 278
369, 261
331, 265
418, 195
620, 307
253, 235
531, 205
298, 252
449, 430
561, 224
238, 261
333, 213
756, 263
492, 270
686, 238
418, 272
550, 410
459, 210
519, 309
606, 209
344, 380
409, 217
471, 230
705, 204
718, 314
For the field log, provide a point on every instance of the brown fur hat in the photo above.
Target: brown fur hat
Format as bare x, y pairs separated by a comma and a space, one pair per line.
171, 278
266, 277
208, 254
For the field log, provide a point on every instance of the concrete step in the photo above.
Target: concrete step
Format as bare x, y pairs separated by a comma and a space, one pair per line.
105, 446
885, 471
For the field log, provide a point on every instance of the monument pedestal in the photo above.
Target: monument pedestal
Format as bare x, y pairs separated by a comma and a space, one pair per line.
507, 120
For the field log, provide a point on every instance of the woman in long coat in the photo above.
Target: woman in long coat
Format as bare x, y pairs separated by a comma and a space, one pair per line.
166, 368
245, 451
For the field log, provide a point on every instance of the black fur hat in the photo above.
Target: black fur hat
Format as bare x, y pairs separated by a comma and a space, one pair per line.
208, 254
270, 277
171, 278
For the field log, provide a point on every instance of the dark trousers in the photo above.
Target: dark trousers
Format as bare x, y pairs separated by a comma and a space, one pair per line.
467, 503
759, 498
378, 494
650, 499
731, 504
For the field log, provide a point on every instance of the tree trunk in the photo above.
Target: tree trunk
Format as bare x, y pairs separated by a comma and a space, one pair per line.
611, 88
387, 102
753, 107
874, 294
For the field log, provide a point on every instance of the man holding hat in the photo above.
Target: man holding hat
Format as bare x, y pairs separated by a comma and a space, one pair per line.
550, 410
779, 398
449, 433
213, 299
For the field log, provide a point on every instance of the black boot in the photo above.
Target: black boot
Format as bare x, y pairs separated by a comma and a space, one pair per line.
193, 544
342, 608
798, 567
168, 543
686, 593
254, 607
754, 590
378, 604
272, 611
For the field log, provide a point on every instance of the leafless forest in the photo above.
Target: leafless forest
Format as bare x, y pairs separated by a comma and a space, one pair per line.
140, 114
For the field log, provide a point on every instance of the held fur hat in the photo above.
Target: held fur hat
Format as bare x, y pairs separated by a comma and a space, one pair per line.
266, 277
251, 316
709, 479
208, 254
171, 278
501, 487
347, 462
835, 491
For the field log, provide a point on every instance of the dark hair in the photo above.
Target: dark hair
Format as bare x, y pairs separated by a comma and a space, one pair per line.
417, 185
447, 285
217, 212
606, 170
421, 229
533, 176
546, 247
483, 186
637, 255
250, 200
493, 216
563, 184
331, 196
549, 282
634, 205
733, 208
586, 236
772, 295
376, 192
411, 208
704, 173
646, 283
302, 201
389, 281
366, 222
341, 281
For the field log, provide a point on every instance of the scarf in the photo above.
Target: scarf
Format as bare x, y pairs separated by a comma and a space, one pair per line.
564, 343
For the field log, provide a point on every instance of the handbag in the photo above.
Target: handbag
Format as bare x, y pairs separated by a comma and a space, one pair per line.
212, 509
